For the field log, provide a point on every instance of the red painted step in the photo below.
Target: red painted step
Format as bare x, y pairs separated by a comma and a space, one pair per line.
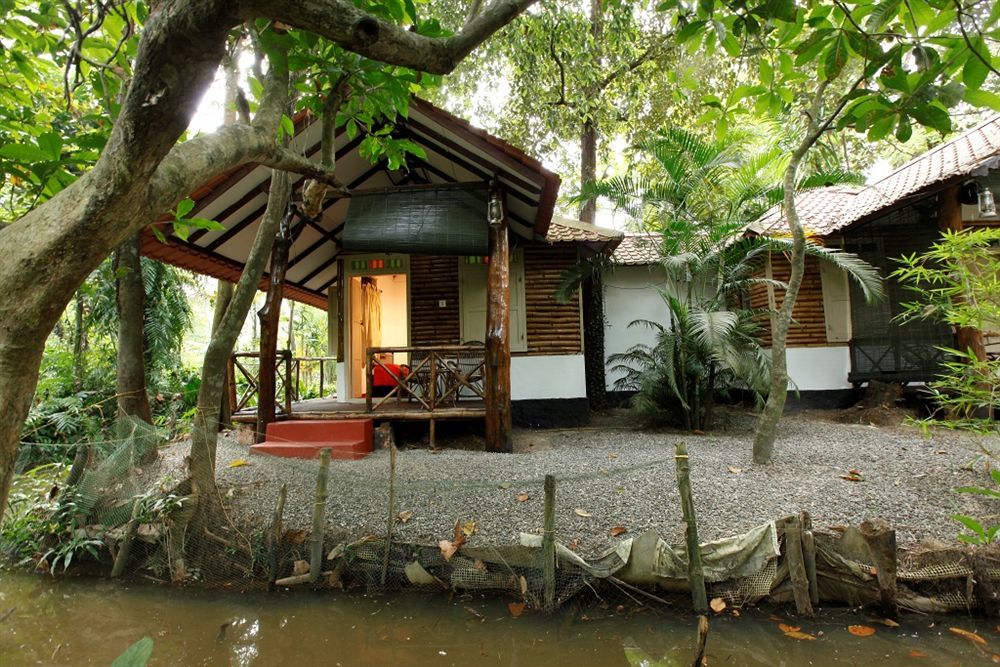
305, 438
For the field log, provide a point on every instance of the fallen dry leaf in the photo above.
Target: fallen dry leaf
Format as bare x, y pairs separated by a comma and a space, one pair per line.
468, 528
522, 497
239, 463
448, 549
861, 630
405, 516
584, 513
971, 636
697, 431
524, 586
736, 613
574, 543
888, 622
735, 470
516, 608
717, 605
618, 530
914, 653
295, 536
788, 628
800, 635
478, 565
300, 567
475, 613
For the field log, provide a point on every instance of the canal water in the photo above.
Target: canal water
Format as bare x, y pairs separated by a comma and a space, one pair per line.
46, 621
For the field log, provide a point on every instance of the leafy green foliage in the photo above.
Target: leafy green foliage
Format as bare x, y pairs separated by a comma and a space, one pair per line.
957, 281
890, 64
978, 533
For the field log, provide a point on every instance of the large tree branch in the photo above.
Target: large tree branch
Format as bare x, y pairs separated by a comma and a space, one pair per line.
355, 30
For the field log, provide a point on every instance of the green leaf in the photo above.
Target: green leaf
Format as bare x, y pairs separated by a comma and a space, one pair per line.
51, 143
882, 14
922, 12
204, 223
933, 116
184, 207
136, 655
904, 130
835, 58
689, 30
287, 126
23, 153
982, 98
881, 128
974, 72
158, 233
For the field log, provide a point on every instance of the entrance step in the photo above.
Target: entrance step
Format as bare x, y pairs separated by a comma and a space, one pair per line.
304, 438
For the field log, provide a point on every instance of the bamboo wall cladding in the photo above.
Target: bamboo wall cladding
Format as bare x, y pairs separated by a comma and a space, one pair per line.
432, 279
809, 326
553, 327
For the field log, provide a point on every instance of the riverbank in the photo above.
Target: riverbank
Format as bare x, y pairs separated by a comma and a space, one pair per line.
616, 481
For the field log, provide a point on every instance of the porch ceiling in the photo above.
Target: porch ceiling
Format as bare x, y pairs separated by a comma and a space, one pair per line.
456, 152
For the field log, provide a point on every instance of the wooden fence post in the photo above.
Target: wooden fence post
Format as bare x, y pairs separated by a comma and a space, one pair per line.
319, 518
274, 537
549, 544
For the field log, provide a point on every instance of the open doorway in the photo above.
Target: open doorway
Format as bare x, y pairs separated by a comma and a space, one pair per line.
379, 316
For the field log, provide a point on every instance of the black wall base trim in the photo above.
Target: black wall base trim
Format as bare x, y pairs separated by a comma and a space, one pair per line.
551, 412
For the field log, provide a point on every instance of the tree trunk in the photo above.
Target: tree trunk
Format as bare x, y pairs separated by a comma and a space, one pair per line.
79, 343
767, 423
223, 296
270, 317
130, 300
204, 435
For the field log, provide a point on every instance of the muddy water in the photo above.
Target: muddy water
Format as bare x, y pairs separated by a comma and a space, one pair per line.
88, 622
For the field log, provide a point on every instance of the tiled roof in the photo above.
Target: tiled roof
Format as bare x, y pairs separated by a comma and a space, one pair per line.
638, 250
565, 230
826, 210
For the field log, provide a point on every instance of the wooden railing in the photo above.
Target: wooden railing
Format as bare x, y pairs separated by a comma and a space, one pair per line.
244, 379
436, 377
302, 366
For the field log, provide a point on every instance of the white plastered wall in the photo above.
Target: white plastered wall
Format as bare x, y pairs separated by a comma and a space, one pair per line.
631, 293
547, 377
819, 368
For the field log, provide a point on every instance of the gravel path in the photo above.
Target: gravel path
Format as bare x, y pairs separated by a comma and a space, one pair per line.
625, 477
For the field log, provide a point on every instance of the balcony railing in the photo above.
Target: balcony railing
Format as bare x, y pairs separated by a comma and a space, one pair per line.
435, 378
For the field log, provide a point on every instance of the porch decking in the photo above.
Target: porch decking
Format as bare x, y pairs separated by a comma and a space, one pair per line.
331, 408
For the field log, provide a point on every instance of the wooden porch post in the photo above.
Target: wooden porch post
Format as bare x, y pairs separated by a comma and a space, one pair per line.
269, 316
497, 389
950, 219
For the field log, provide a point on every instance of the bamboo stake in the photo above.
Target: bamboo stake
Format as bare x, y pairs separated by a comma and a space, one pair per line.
699, 656
276, 530
695, 572
319, 517
809, 557
127, 540
392, 510
549, 543
797, 568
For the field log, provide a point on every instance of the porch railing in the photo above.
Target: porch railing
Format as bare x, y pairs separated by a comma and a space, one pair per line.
436, 377
244, 379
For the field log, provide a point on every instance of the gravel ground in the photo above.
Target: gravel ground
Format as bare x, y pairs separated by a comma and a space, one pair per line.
622, 476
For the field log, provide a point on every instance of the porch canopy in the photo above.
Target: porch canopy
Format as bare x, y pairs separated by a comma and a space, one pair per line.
460, 161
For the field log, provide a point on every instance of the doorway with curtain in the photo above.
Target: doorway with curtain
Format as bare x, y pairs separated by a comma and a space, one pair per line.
379, 309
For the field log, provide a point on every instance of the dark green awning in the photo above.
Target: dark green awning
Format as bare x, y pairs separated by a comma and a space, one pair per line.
438, 221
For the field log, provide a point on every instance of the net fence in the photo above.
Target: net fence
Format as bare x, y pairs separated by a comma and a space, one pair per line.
125, 504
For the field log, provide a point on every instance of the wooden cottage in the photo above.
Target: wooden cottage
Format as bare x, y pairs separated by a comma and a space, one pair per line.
438, 278
837, 341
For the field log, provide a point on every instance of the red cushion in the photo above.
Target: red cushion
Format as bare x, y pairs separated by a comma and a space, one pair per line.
384, 379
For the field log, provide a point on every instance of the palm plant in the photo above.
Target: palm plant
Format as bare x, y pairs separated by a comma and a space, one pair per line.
699, 196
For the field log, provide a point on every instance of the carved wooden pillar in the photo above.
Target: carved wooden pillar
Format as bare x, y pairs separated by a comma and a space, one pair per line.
950, 219
498, 417
269, 316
